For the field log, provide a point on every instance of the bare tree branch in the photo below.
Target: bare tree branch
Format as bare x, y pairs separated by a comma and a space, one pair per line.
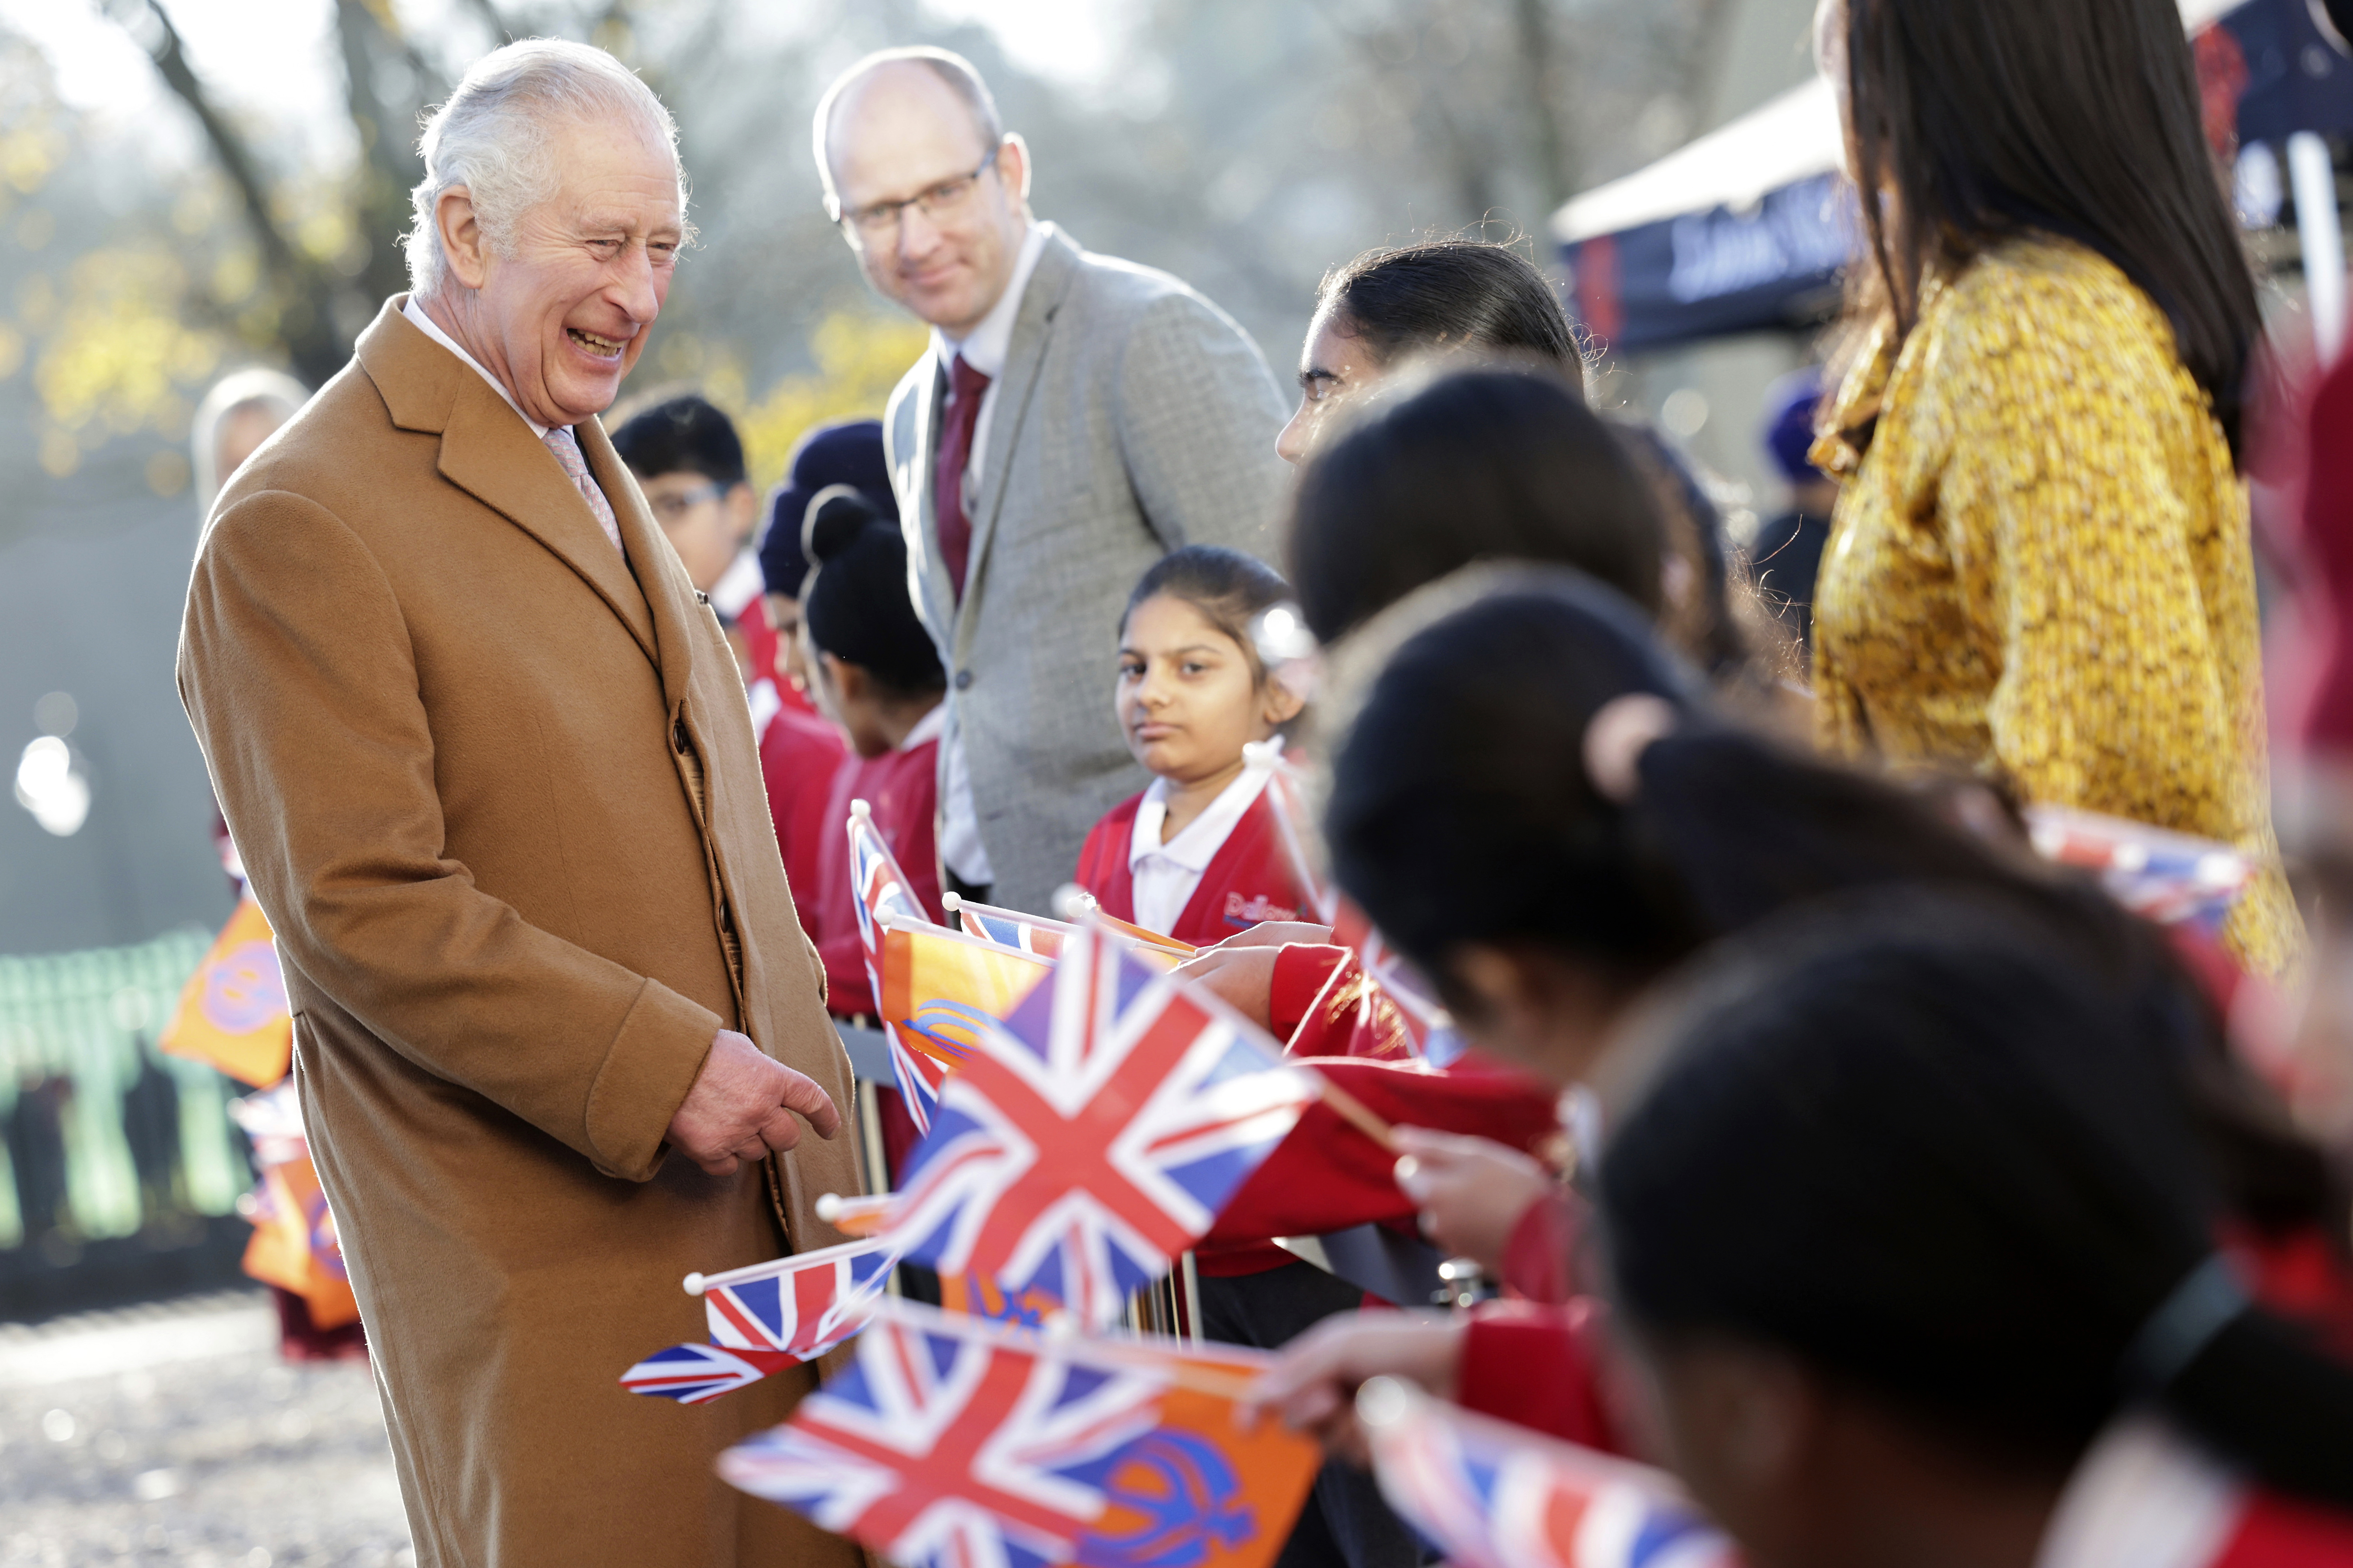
306, 293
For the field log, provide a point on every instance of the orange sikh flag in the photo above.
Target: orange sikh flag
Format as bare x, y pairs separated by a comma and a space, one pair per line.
939, 986
233, 1013
294, 1245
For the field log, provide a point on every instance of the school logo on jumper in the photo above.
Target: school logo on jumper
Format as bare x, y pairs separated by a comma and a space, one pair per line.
1255, 908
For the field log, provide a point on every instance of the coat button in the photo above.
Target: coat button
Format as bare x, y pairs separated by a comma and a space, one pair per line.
964, 680
677, 734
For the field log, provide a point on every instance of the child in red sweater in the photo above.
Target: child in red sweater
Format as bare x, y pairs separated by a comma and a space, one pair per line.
873, 672
1200, 855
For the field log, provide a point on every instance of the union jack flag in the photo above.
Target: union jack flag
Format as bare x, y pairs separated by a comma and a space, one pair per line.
947, 1445
693, 1374
2170, 877
1009, 928
802, 1306
1094, 1134
1491, 1494
884, 894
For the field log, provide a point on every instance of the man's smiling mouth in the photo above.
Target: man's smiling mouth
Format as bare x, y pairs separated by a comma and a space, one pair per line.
603, 348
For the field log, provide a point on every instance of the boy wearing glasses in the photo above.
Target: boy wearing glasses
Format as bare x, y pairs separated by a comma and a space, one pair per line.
690, 462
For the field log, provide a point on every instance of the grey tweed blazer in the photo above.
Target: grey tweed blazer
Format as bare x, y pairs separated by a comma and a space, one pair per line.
1133, 416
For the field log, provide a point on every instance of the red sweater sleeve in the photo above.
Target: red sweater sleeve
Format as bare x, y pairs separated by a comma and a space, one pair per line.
1328, 1176
1301, 969
1539, 1367
1539, 1255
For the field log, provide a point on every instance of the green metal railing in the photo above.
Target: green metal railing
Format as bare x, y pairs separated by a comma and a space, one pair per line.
91, 1019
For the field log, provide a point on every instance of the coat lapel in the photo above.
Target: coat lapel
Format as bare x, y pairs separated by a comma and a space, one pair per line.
1058, 264
489, 453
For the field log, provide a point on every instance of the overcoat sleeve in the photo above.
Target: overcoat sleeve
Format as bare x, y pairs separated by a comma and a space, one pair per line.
1198, 414
289, 614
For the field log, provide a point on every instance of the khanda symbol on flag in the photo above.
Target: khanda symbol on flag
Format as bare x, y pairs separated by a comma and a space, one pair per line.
233, 1012
1093, 1133
951, 1442
1491, 1494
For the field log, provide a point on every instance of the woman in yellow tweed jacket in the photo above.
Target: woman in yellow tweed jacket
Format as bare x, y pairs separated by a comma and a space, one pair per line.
2040, 567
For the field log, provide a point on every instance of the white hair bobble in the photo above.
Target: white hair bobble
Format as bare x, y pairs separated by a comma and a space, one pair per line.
490, 137
1617, 737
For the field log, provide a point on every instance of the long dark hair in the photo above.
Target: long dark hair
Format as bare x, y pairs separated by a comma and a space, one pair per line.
1921, 1145
1492, 462
1452, 293
1461, 812
2078, 118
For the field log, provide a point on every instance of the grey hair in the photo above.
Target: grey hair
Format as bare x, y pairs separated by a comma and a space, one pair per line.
258, 389
491, 139
951, 67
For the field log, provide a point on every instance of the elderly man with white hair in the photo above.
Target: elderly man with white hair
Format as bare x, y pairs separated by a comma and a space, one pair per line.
559, 1040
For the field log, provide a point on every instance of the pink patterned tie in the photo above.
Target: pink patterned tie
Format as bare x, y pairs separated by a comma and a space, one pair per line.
566, 447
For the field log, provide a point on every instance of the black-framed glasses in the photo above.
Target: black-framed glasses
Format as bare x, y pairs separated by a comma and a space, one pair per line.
881, 219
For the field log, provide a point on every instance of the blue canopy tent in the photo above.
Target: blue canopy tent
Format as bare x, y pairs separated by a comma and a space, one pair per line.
1746, 229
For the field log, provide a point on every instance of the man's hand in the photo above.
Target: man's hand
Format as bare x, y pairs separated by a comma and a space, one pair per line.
1313, 1388
1471, 1191
740, 1107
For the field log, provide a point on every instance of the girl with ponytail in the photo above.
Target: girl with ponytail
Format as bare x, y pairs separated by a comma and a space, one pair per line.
1913, 1234
1532, 805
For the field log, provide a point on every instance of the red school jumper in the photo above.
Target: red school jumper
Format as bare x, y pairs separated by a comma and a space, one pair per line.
801, 757
1247, 881
903, 788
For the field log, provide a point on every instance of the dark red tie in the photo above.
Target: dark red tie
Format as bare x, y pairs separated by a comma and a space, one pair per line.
967, 386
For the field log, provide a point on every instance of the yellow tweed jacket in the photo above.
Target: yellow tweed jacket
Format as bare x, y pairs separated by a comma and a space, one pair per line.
2040, 568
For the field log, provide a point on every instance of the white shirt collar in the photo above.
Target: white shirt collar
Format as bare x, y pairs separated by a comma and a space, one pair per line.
930, 727
2142, 1498
987, 345
1201, 839
432, 329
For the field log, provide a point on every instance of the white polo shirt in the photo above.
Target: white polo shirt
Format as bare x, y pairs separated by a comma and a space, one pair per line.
1167, 875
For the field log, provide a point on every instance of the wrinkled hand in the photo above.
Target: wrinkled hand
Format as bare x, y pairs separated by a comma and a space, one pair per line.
741, 1107
1313, 1388
1471, 1191
1241, 977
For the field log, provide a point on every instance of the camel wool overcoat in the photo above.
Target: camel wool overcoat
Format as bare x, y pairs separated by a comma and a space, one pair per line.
496, 788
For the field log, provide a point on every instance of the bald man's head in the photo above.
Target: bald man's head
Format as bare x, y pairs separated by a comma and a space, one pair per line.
928, 189
889, 69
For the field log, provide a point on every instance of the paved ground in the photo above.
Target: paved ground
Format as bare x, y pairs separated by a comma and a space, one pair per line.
175, 1434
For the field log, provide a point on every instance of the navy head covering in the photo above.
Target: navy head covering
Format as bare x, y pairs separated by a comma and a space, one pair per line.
849, 452
855, 606
1789, 405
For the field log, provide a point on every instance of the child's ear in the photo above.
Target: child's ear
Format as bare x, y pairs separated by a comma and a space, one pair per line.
851, 681
1278, 704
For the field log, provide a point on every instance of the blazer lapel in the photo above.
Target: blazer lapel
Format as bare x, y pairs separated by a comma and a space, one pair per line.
489, 453
1058, 264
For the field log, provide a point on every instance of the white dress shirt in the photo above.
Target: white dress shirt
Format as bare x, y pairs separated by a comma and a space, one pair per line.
432, 329
1167, 875
986, 348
